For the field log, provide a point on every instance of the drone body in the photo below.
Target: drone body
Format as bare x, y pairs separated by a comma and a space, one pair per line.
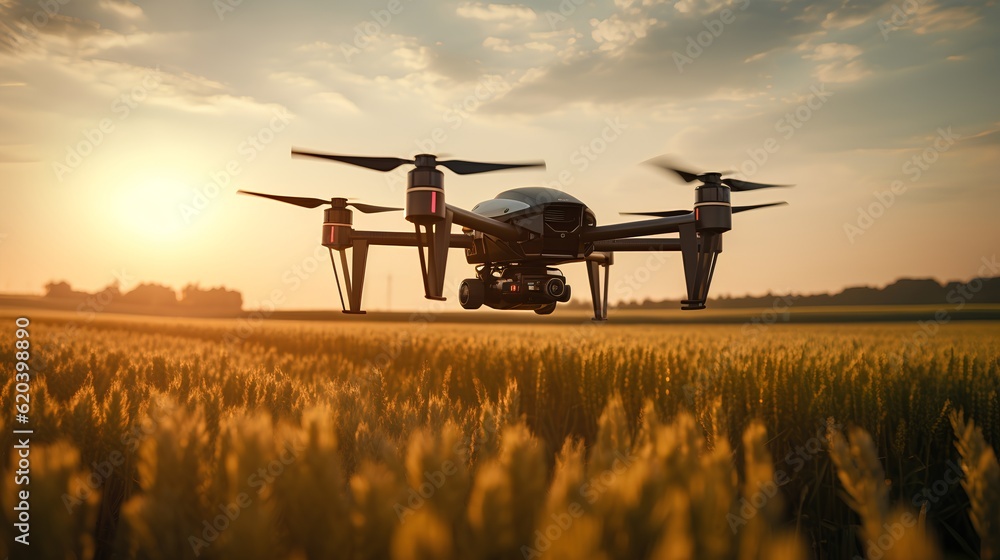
521, 275
517, 239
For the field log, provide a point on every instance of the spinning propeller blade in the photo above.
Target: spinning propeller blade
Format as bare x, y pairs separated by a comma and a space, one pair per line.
669, 213
317, 202
737, 209
738, 185
663, 214
461, 167
371, 208
296, 200
469, 167
686, 176
376, 163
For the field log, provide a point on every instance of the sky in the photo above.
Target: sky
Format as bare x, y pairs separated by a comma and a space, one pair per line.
127, 128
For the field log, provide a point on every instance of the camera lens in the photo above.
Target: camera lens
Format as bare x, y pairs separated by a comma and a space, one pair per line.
555, 287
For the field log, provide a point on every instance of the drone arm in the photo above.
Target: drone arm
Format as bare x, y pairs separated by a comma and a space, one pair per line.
637, 229
406, 239
354, 267
662, 244
496, 228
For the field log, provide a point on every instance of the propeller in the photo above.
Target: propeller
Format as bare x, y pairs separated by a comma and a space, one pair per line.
425, 206
305, 202
737, 209
736, 185
458, 166
376, 163
670, 213
662, 214
709, 179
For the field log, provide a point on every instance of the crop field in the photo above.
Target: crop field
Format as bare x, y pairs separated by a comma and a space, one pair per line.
175, 439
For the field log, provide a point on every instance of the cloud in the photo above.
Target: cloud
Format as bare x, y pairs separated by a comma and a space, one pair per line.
838, 63
189, 92
835, 51
631, 55
989, 137
495, 12
839, 22
618, 31
933, 17
335, 101
702, 7
504, 45
123, 8
25, 23
558, 43
51, 71
633, 59
842, 15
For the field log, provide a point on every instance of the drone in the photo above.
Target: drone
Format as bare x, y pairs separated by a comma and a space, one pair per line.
517, 239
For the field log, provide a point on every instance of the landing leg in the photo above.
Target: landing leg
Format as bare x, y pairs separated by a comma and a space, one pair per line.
433, 240
599, 294
354, 276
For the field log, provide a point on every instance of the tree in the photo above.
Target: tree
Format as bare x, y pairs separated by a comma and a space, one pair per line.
215, 298
150, 295
60, 289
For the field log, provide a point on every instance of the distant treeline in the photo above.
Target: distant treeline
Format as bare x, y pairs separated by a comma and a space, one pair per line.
905, 291
155, 297
194, 300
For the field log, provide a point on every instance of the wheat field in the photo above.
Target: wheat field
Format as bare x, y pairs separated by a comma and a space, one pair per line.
181, 439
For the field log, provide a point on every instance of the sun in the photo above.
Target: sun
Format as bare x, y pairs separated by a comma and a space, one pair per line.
149, 207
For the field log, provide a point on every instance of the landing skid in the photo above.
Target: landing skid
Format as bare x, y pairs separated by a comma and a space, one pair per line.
599, 293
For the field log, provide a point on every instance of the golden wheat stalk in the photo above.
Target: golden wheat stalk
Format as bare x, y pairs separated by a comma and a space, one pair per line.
761, 497
981, 483
860, 473
898, 534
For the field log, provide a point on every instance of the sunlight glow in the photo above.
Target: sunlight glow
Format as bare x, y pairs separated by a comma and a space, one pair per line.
148, 206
